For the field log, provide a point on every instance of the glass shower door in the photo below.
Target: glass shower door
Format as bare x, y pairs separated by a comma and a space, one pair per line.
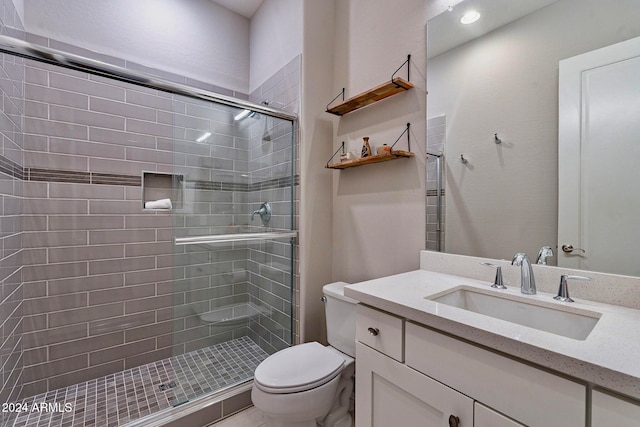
233, 245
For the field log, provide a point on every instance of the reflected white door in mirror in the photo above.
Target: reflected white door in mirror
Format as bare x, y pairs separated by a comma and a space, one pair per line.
599, 130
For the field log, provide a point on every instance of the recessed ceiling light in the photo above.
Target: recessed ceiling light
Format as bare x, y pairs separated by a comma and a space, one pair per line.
470, 17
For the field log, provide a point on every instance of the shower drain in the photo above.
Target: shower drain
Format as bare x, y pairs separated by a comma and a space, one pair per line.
167, 386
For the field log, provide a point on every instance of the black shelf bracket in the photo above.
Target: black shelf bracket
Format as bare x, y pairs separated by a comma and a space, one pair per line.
334, 99
406, 130
334, 154
408, 63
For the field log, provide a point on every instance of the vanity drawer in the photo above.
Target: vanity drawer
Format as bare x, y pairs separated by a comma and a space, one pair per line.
529, 395
380, 331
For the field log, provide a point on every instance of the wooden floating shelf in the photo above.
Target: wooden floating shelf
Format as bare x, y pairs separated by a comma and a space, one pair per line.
371, 96
396, 154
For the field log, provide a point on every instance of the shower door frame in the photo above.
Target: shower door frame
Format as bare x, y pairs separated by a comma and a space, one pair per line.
75, 62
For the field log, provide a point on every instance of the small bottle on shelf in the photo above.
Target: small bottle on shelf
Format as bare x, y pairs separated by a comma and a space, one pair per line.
366, 148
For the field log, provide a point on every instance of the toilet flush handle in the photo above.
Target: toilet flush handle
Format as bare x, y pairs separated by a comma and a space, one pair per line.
323, 299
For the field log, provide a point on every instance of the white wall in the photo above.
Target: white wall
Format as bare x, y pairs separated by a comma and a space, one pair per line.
316, 129
505, 199
379, 210
195, 38
367, 222
275, 38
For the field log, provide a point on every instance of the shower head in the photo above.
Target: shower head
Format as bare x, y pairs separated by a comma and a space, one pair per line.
266, 136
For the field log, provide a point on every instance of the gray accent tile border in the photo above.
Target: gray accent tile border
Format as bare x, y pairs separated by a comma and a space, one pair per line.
11, 168
14, 170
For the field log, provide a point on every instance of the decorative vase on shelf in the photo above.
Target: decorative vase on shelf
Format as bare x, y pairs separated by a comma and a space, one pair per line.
366, 148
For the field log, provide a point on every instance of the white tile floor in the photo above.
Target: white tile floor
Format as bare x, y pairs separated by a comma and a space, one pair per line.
248, 418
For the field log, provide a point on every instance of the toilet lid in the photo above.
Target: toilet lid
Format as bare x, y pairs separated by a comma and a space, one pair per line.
298, 368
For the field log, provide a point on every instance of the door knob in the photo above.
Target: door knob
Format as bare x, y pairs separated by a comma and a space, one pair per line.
566, 248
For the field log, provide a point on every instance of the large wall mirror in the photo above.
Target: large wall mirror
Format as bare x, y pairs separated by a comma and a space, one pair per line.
536, 109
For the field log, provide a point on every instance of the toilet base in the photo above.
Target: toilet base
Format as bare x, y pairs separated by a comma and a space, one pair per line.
328, 405
340, 413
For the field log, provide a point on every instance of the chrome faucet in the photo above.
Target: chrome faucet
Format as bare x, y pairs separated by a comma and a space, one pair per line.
264, 212
527, 281
544, 253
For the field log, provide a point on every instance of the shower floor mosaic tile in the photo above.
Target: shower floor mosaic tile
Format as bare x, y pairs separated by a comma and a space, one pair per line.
128, 395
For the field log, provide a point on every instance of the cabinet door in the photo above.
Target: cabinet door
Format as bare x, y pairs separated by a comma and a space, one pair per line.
389, 393
607, 411
533, 397
487, 417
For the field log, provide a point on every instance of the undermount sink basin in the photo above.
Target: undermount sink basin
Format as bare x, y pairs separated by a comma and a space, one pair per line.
576, 323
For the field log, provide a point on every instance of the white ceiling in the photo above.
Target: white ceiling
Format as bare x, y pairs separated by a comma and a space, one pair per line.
245, 8
445, 32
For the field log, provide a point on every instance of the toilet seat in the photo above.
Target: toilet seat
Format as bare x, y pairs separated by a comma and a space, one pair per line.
298, 368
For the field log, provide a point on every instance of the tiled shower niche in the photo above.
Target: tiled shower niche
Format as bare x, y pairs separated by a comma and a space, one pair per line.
158, 187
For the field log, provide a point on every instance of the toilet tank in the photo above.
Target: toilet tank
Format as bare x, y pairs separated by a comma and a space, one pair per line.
340, 314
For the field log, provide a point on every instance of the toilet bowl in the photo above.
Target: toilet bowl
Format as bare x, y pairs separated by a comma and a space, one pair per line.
310, 384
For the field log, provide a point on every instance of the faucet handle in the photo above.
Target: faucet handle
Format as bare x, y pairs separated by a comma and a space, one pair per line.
544, 253
497, 283
563, 289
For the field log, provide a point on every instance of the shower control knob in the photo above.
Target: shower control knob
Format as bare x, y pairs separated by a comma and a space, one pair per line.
374, 331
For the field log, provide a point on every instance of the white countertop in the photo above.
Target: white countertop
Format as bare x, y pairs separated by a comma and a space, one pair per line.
609, 357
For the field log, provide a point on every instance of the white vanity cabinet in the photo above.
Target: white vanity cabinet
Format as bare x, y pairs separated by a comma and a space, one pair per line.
607, 411
443, 377
389, 393
522, 392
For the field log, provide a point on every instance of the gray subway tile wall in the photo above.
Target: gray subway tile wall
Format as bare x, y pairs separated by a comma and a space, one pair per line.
101, 267
271, 161
436, 139
101, 288
12, 323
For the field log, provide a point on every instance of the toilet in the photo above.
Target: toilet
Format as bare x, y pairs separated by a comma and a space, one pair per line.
310, 384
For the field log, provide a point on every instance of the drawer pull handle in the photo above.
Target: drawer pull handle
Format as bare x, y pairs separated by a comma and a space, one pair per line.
454, 421
374, 331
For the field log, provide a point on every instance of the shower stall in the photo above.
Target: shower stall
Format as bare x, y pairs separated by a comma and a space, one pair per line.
147, 235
